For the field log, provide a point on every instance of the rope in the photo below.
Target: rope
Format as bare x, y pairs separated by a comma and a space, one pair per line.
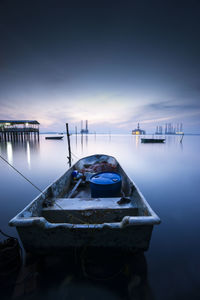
6, 235
26, 180
21, 174
36, 186
75, 155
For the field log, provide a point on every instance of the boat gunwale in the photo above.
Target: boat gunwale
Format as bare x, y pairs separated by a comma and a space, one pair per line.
21, 221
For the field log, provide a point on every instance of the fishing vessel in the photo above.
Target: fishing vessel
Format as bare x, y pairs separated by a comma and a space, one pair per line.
93, 204
53, 137
153, 140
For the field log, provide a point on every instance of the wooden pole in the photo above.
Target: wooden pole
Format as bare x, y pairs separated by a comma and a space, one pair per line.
69, 147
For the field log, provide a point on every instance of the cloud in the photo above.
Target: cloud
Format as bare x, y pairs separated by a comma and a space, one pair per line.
104, 110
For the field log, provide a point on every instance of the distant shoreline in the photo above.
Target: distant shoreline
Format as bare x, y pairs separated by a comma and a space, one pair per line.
92, 133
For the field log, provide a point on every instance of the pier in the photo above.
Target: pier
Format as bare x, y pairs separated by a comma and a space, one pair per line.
16, 130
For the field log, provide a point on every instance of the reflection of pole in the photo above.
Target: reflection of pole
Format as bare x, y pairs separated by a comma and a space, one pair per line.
86, 139
181, 138
81, 126
82, 134
69, 147
76, 134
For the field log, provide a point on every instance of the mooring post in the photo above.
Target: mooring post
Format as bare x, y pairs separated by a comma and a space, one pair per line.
69, 147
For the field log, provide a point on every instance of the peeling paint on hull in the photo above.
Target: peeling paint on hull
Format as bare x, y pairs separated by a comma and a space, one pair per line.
41, 234
59, 239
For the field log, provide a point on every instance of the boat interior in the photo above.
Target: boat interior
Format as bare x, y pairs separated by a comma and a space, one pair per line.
70, 199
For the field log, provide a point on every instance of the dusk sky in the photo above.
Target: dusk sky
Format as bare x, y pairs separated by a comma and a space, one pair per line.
115, 63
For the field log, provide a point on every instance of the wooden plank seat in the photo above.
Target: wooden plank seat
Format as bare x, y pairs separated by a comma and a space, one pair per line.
88, 210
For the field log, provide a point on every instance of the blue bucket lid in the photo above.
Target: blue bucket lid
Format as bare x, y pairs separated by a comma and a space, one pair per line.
105, 178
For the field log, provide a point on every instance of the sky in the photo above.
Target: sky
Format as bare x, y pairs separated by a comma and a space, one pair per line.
114, 63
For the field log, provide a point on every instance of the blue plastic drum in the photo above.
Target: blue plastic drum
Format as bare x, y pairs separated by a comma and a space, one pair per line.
105, 185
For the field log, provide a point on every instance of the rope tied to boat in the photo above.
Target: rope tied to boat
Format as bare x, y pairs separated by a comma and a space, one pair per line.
6, 235
21, 174
75, 155
28, 180
45, 195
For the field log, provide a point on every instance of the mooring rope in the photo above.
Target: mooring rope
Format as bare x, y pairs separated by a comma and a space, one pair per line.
27, 179
75, 155
37, 187
6, 235
22, 174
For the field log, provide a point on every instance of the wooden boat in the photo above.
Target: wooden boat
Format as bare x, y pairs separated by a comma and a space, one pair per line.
65, 215
147, 140
53, 137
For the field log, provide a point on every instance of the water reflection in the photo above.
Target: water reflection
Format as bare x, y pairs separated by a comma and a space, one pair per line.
82, 142
109, 136
9, 152
86, 140
181, 146
169, 179
28, 154
28, 146
93, 274
137, 140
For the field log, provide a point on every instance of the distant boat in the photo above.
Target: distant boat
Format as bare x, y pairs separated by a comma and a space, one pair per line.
53, 137
93, 204
146, 140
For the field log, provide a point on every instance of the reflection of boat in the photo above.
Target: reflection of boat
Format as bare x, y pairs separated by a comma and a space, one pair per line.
108, 273
53, 137
146, 140
65, 215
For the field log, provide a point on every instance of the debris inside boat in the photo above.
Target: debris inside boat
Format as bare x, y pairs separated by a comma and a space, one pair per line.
93, 204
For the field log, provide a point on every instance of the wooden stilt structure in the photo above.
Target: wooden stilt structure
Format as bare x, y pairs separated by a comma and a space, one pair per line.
17, 130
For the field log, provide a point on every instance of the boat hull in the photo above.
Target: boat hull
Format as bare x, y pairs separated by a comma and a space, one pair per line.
54, 240
54, 137
85, 222
152, 140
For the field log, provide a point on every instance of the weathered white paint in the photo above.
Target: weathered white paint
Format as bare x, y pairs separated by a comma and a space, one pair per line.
40, 235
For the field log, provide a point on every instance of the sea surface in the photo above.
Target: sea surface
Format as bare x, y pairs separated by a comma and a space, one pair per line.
167, 174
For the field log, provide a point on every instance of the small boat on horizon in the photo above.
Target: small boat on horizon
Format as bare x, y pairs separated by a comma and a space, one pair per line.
152, 140
94, 204
53, 137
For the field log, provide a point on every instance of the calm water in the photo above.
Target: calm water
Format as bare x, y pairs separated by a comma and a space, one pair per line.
168, 176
